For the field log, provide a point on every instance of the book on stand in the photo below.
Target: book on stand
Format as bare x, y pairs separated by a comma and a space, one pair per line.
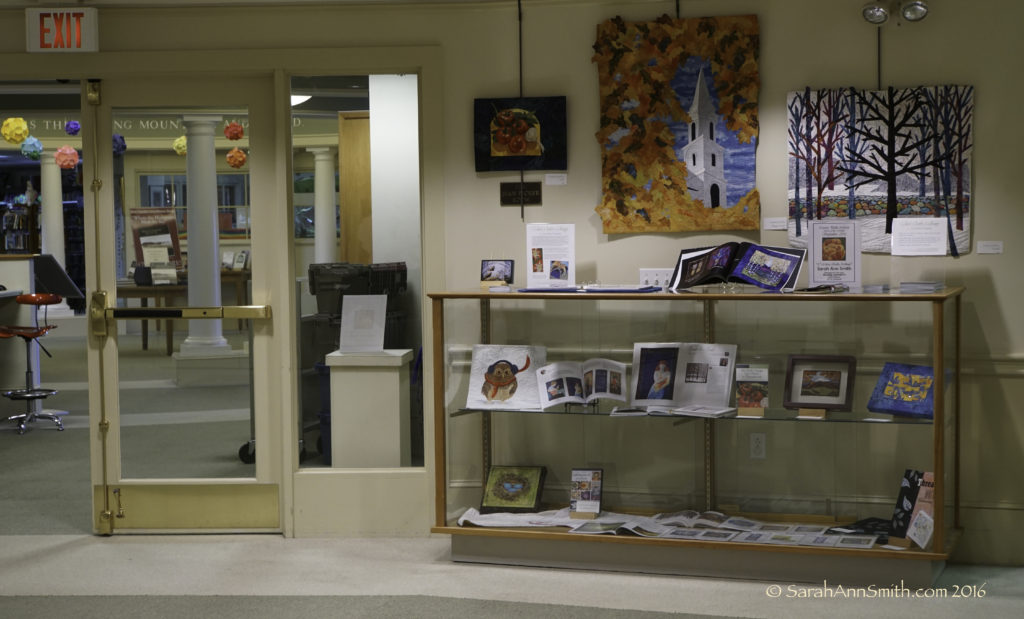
772, 268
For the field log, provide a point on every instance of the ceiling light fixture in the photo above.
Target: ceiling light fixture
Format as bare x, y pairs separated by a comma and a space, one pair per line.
876, 13
914, 10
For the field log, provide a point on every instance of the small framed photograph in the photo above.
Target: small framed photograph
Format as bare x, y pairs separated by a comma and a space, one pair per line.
497, 271
585, 493
513, 489
820, 382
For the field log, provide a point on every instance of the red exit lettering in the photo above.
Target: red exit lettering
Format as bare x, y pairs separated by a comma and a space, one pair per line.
60, 30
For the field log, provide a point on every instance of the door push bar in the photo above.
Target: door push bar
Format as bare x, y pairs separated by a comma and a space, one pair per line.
100, 314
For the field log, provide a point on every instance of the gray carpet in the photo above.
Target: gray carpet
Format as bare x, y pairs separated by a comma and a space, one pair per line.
277, 607
167, 432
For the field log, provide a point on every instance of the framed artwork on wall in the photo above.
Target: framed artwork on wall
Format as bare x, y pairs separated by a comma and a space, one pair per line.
525, 133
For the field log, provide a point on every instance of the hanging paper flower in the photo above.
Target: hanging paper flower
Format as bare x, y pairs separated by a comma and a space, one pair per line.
15, 130
180, 145
119, 144
72, 127
236, 158
233, 131
66, 157
32, 148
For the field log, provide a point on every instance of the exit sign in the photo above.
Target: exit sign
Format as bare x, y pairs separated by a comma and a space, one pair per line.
62, 30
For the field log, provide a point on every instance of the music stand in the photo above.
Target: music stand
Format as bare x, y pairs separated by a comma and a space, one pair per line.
51, 278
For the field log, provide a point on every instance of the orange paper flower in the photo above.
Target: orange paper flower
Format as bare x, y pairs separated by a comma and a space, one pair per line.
236, 158
233, 131
66, 157
15, 130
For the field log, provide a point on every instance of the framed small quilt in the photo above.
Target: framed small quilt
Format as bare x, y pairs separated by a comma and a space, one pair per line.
513, 489
907, 390
526, 133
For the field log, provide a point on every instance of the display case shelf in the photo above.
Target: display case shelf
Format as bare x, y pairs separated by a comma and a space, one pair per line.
833, 470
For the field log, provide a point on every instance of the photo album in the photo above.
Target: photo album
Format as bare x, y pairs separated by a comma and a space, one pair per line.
771, 268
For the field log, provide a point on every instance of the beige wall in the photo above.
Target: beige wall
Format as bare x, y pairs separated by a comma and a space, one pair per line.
803, 43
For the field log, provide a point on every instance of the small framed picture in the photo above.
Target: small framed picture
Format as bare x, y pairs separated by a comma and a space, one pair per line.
820, 382
497, 271
513, 489
585, 493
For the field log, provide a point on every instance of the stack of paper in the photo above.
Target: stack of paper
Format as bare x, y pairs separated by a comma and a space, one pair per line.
920, 287
876, 288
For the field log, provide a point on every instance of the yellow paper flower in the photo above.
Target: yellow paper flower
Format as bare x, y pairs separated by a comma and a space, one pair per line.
66, 157
15, 130
180, 145
236, 158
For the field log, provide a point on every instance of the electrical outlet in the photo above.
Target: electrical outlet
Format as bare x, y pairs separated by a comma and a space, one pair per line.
655, 277
758, 446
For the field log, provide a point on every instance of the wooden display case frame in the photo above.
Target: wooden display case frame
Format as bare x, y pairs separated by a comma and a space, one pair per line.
557, 548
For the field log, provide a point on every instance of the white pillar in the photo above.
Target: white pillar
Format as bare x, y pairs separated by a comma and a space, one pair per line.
52, 204
204, 336
52, 221
325, 223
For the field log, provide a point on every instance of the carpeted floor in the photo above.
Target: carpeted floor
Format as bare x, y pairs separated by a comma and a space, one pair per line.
52, 566
278, 607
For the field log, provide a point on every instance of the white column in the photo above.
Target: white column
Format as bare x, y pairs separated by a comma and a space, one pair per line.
325, 226
52, 220
204, 336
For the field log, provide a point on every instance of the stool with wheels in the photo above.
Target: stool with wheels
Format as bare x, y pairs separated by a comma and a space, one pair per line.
32, 394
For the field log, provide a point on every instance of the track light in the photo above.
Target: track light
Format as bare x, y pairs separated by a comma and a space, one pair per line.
879, 11
876, 13
914, 10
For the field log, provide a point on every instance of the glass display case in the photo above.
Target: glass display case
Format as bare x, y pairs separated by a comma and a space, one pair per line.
795, 464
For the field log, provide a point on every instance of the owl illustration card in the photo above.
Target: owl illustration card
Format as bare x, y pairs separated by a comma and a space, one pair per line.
505, 377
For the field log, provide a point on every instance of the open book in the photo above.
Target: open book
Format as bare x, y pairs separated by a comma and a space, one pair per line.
684, 378
581, 383
771, 268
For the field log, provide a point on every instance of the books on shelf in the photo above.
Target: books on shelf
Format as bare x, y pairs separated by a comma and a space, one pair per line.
689, 379
581, 383
771, 268
906, 390
751, 389
505, 377
913, 515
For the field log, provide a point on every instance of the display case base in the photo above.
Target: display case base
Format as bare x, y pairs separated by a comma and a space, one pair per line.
891, 573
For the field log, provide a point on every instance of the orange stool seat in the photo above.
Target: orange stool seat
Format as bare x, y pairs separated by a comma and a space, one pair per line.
38, 298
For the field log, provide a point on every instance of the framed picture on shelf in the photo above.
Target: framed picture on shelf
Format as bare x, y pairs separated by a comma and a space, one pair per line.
820, 382
513, 489
497, 271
